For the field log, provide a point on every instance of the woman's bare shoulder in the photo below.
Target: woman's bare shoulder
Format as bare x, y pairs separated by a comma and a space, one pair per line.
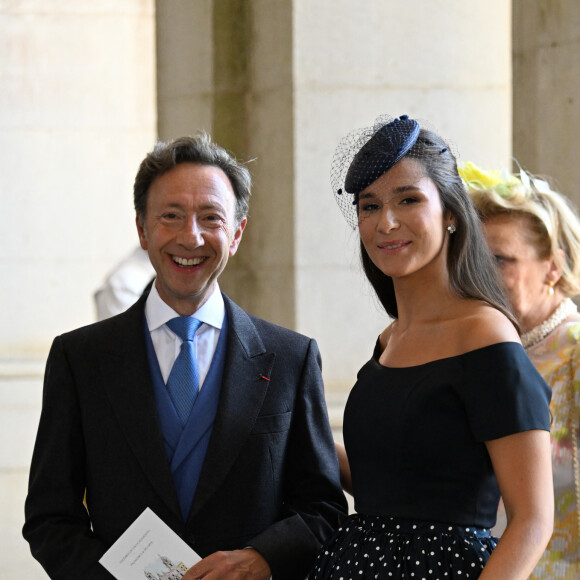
485, 325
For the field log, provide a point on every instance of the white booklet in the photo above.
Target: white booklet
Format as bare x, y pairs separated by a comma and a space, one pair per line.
149, 548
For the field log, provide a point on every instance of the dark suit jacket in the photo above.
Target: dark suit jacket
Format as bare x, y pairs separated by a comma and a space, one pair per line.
270, 478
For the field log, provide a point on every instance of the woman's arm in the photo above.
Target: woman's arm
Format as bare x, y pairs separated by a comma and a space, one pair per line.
522, 464
345, 478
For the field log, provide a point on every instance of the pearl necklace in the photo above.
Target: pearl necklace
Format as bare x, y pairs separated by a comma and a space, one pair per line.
538, 333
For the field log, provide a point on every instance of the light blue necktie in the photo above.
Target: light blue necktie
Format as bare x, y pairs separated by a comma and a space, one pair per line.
183, 381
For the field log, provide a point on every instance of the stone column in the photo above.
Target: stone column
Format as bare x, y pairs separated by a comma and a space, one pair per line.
546, 85
184, 63
234, 79
253, 116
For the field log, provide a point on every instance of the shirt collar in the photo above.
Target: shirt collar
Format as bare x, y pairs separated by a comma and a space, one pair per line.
158, 312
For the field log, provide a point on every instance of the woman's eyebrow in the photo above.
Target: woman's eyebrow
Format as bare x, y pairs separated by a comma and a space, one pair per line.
396, 191
405, 188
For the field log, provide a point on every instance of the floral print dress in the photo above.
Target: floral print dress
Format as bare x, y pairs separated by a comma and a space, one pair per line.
557, 358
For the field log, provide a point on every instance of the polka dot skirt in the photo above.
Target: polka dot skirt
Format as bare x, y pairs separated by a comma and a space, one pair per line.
386, 549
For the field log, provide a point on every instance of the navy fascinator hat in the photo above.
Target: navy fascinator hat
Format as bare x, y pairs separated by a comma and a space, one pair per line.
387, 146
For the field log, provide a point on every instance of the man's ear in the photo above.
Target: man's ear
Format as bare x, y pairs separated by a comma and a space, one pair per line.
141, 232
237, 237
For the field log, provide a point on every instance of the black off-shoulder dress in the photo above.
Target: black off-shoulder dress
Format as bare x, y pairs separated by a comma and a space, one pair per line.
424, 487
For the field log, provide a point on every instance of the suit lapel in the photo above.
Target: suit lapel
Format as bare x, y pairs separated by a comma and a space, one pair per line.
243, 390
127, 382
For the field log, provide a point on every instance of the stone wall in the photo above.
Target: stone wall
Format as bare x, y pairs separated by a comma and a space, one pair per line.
77, 113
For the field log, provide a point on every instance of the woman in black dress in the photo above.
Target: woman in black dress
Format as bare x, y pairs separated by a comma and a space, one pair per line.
449, 410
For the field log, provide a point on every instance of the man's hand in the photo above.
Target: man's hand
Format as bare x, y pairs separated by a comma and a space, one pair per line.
235, 565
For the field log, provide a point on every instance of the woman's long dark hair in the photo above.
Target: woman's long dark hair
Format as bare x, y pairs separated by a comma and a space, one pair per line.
472, 270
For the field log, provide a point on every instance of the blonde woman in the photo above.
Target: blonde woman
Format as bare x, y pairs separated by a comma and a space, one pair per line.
534, 234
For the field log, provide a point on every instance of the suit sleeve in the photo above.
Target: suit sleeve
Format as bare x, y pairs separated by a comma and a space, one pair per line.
57, 525
314, 502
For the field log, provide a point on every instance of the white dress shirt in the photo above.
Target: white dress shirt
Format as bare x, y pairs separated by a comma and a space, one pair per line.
167, 344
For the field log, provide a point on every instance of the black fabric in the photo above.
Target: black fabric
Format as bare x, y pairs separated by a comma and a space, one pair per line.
415, 436
423, 483
390, 549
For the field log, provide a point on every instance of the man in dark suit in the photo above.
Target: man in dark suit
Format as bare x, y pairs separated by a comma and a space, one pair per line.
247, 475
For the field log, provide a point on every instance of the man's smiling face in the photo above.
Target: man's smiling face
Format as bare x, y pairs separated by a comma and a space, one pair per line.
189, 231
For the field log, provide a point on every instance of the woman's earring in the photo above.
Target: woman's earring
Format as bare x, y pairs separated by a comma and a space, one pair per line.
551, 288
451, 228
